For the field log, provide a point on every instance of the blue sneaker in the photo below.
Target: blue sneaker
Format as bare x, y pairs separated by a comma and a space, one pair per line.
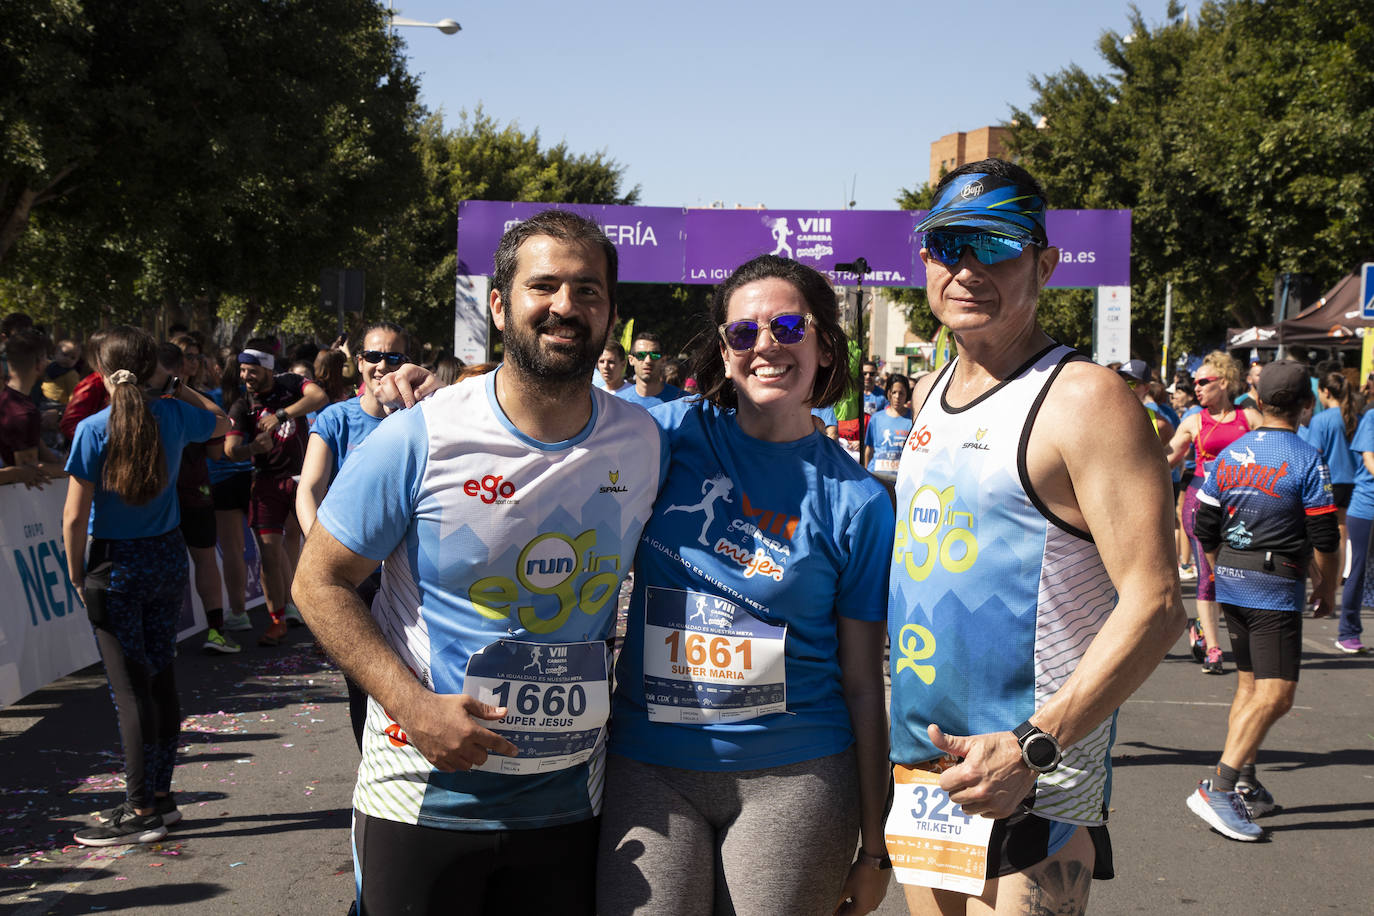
1224, 812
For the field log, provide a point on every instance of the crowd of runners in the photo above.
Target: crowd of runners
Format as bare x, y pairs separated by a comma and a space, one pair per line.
462, 562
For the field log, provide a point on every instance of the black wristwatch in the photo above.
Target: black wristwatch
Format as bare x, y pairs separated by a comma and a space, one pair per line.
282, 416
1039, 750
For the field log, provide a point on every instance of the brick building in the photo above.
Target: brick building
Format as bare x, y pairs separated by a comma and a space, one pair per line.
953, 150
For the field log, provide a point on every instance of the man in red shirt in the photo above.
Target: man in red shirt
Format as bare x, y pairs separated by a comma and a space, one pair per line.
269, 426
21, 431
89, 396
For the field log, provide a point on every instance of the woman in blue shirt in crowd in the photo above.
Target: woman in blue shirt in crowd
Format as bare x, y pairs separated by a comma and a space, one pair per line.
748, 751
888, 428
1329, 431
337, 431
122, 492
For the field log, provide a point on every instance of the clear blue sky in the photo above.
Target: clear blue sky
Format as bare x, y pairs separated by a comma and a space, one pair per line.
781, 103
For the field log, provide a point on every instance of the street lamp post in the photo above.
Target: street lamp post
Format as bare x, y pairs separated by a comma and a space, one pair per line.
447, 26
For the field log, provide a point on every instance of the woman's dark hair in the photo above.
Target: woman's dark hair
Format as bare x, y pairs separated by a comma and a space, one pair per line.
832, 381
329, 367
1337, 386
447, 369
230, 385
135, 463
897, 378
394, 328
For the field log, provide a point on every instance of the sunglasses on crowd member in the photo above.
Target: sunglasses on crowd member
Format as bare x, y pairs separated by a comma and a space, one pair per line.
786, 329
376, 356
948, 247
646, 354
1207, 380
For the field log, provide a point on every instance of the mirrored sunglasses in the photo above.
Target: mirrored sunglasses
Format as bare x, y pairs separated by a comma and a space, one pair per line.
376, 356
948, 247
786, 329
646, 354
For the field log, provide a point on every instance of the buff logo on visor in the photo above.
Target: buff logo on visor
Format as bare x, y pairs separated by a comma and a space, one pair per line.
989, 204
257, 358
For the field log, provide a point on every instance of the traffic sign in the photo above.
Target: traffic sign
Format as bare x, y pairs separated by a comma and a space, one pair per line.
1367, 290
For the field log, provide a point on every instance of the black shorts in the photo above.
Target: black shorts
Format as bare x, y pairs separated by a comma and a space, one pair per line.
1266, 643
1341, 493
232, 493
1023, 840
417, 870
198, 526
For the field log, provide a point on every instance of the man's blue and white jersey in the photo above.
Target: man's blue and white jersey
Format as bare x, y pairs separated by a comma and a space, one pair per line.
493, 542
1266, 484
754, 552
992, 599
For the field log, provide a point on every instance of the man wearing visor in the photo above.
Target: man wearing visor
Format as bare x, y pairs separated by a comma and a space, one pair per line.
1032, 585
270, 427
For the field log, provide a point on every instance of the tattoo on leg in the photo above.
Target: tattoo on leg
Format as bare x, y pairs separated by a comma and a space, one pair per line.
1057, 889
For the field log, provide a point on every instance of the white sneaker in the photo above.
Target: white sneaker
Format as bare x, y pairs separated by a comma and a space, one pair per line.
237, 622
1187, 573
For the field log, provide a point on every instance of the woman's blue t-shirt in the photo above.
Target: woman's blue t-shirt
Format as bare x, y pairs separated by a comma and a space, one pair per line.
1326, 433
1362, 499
343, 427
886, 435
111, 517
791, 533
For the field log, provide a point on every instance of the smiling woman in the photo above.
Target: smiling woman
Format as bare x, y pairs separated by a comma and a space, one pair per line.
749, 699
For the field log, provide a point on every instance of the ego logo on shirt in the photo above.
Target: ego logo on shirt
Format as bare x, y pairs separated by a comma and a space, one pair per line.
490, 488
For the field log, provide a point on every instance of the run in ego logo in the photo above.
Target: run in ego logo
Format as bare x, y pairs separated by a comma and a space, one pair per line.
554, 573
490, 488
931, 531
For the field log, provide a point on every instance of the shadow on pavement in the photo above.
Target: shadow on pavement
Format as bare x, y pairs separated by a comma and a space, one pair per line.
258, 825
130, 900
1124, 754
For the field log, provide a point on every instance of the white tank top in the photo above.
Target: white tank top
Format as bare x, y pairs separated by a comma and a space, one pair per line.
992, 599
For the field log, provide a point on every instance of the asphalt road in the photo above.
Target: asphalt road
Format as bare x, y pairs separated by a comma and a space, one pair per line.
268, 761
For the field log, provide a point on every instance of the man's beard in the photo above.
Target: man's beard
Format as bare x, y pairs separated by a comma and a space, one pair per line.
574, 360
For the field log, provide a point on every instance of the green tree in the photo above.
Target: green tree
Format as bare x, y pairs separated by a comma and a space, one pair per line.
477, 159
163, 150
1243, 142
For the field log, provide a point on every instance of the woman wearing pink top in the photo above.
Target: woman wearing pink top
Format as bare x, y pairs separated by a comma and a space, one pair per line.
1208, 431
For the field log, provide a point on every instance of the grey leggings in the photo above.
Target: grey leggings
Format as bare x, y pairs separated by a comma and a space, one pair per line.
684, 842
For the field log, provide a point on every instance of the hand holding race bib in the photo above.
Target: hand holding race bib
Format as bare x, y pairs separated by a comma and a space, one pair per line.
449, 732
991, 780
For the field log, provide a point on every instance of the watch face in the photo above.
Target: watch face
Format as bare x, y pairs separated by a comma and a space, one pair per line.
1040, 751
